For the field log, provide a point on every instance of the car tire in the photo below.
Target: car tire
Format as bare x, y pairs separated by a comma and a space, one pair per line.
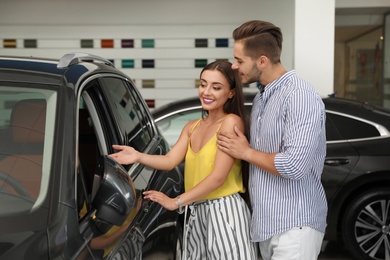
365, 226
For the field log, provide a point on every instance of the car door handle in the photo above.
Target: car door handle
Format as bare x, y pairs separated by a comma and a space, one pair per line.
145, 203
336, 162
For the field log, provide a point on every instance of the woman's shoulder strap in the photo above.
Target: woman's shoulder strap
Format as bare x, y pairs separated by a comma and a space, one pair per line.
223, 120
193, 127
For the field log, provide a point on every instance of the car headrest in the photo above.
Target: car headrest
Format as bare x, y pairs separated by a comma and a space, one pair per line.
28, 121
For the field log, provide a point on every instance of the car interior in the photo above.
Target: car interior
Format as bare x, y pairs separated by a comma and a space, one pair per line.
86, 161
26, 140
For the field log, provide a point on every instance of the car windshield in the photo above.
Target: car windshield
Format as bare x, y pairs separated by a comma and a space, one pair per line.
27, 117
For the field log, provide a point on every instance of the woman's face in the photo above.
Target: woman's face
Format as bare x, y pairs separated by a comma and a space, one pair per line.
214, 90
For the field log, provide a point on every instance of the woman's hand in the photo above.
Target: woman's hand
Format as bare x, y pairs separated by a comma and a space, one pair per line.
126, 154
162, 199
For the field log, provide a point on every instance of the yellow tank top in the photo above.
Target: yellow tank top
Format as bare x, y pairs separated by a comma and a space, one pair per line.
199, 165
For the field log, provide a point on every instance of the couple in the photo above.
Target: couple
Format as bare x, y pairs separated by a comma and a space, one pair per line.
285, 152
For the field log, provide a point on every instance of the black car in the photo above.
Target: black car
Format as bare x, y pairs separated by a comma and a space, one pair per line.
61, 195
356, 173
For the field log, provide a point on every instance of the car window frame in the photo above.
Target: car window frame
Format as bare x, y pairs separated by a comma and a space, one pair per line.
91, 91
382, 131
145, 120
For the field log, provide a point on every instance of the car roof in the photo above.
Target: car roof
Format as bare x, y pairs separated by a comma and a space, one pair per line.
71, 68
352, 108
359, 109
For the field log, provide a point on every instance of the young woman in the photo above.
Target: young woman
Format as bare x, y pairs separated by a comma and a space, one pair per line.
218, 225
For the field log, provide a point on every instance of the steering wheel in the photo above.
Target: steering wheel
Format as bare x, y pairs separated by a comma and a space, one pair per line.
15, 184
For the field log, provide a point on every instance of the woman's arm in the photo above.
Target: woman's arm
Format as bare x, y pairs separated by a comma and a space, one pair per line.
128, 155
222, 166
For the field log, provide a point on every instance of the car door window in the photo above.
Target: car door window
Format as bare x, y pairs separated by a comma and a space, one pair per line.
131, 117
349, 128
134, 123
332, 134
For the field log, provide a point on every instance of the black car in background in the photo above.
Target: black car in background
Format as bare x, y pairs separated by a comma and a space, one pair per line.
61, 195
356, 173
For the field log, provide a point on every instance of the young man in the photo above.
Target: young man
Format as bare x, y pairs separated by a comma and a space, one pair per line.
286, 151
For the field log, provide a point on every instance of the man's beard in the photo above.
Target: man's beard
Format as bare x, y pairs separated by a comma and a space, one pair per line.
253, 75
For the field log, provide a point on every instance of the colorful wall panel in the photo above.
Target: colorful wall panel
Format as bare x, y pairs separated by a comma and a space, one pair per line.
107, 43
30, 43
9, 43
164, 61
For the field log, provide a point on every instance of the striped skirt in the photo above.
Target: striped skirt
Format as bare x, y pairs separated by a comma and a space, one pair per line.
219, 229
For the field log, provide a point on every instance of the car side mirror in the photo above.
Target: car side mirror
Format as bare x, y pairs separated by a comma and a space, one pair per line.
115, 197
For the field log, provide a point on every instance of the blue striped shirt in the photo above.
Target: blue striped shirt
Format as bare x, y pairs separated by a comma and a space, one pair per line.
288, 118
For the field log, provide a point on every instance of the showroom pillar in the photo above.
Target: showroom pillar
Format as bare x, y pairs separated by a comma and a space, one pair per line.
386, 63
314, 43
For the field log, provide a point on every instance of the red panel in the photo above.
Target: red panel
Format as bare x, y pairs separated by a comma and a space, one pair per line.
150, 103
107, 43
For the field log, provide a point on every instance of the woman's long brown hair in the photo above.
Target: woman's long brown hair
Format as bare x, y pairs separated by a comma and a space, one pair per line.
234, 105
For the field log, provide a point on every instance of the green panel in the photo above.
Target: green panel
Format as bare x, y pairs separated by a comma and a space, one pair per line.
30, 43
147, 43
200, 63
86, 43
127, 63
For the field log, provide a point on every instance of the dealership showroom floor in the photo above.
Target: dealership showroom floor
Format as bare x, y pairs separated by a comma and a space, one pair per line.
333, 250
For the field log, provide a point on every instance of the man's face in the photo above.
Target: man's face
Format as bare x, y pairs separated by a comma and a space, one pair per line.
246, 67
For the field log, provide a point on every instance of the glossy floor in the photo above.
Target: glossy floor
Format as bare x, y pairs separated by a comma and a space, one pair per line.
330, 251
333, 250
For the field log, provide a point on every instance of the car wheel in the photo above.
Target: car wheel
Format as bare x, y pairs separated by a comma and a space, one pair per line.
366, 225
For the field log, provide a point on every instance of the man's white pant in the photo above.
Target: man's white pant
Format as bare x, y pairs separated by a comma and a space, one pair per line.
301, 243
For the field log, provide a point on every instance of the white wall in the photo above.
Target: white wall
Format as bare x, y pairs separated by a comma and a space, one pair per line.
174, 24
314, 43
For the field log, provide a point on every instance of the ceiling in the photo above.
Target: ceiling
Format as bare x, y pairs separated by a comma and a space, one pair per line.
346, 33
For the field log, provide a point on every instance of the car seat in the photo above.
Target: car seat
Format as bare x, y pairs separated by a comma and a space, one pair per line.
21, 168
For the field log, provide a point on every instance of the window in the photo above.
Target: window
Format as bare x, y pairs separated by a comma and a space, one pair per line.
348, 128
332, 134
132, 117
27, 117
